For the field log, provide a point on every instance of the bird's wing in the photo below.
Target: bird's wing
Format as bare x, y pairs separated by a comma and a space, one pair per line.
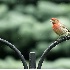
64, 27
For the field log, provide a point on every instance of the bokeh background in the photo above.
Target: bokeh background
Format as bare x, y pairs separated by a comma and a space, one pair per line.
26, 24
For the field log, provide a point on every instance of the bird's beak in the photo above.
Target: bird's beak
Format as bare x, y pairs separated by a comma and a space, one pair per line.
51, 21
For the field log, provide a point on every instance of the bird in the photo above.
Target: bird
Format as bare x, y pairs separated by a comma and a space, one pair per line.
59, 28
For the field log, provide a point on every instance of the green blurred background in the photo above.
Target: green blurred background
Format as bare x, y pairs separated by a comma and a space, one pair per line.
26, 24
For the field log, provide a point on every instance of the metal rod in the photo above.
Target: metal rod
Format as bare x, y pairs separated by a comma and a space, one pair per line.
49, 48
32, 60
16, 50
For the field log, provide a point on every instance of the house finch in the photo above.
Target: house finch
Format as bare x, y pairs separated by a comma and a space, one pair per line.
59, 28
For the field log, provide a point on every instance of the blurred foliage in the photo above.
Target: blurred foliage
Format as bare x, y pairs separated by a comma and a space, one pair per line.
25, 23
62, 63
9, 63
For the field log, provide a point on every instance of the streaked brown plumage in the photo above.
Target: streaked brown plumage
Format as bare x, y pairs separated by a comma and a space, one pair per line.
59, 28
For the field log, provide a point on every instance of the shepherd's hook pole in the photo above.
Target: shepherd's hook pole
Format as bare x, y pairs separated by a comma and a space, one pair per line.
49, 48
16, 50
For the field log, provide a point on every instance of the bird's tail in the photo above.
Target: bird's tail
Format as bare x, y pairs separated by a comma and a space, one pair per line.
69, 33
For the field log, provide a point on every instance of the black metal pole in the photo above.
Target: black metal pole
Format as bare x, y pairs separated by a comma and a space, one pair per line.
16, 50
49, 48
32, 60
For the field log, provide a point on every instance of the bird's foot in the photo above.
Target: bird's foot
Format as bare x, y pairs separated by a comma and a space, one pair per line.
61, 37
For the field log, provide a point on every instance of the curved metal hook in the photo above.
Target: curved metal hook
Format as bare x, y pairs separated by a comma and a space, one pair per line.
16, 50
49, 48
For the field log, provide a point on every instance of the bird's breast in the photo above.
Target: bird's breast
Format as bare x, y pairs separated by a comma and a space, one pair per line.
56, 26
57, 29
